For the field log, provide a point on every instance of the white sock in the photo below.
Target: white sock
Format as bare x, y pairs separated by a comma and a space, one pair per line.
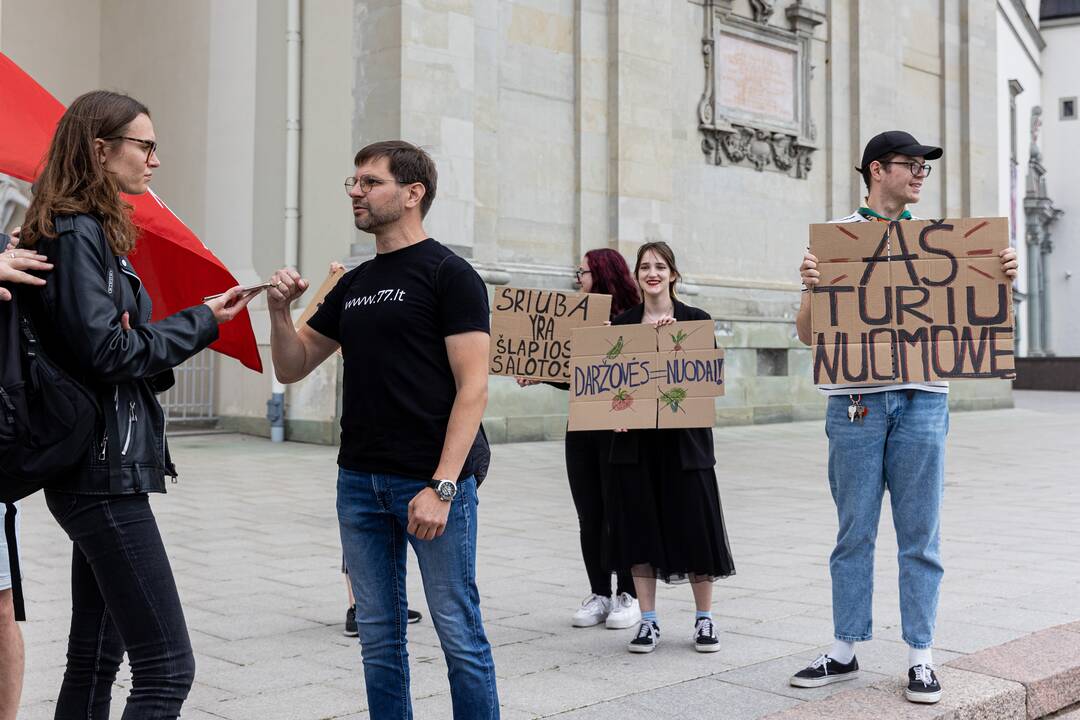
842, 651
919, 656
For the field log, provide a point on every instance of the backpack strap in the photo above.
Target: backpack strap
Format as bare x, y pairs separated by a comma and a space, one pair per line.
10, 512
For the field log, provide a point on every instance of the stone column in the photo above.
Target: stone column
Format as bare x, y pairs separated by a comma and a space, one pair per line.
639, 122
230, 143
1045, 248
1034, 300
594, 211
415, 80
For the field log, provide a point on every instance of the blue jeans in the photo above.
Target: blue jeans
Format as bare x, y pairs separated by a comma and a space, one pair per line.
899, 445
373, 515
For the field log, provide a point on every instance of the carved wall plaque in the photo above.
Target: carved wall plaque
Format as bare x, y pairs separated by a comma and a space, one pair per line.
755, 107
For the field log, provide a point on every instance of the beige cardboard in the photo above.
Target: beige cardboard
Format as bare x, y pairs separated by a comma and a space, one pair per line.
688, 335
531, 330
690, 413
608, 415
927, 300
597, 377
700, 373
614, 386
320, 295
614, 339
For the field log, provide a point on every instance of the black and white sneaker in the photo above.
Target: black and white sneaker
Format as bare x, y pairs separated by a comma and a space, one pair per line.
350, 622
923, 685
647, 638
415, 616
825, 671
705, 637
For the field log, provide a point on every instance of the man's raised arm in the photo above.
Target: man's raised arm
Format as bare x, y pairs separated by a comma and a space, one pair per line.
295, 354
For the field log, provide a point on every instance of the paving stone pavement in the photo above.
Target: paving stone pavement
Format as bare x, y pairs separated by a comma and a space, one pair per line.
252, 534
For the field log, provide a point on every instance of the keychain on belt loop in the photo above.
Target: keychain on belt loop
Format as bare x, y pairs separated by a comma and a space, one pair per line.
856, 410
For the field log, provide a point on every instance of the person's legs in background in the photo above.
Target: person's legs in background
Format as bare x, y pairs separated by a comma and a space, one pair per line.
12, 652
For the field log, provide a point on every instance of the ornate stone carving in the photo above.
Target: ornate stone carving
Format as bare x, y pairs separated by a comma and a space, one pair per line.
759, 149
764, 122
763, 10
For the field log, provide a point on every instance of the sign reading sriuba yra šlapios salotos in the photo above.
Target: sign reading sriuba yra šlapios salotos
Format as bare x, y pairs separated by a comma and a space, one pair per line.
911, 301
530, 330
635, 376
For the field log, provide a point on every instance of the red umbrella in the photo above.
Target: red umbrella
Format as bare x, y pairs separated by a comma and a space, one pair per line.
176, 268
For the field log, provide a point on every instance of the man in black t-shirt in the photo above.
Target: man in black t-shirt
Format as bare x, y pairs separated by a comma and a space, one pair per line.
413, 329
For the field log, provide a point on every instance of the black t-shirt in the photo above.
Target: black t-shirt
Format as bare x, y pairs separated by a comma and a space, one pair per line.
391, 316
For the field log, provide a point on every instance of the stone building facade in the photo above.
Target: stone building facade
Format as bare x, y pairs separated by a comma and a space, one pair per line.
723, 127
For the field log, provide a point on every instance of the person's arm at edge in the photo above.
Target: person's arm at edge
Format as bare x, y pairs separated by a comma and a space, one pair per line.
468, 355
809, 274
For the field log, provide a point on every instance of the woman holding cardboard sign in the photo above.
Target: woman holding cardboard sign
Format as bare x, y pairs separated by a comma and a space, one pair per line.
664, 515
601, 271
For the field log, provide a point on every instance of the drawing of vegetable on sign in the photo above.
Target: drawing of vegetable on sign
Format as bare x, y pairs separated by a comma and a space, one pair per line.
616, 349
622, 400
673, 399
677, 338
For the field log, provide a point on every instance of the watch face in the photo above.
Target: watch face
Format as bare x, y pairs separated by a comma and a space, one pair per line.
446, 490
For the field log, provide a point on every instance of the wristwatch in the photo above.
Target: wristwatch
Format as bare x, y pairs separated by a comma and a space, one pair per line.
445, 489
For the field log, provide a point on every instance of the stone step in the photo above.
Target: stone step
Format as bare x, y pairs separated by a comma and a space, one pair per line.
1029, 678
1046, 663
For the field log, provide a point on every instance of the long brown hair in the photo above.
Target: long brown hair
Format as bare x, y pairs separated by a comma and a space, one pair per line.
667, 255
74, 180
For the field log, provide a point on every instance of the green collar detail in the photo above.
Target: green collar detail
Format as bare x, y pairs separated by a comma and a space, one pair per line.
868, 213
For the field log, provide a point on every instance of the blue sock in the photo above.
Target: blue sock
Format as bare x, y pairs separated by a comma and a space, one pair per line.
649, 616
703, 614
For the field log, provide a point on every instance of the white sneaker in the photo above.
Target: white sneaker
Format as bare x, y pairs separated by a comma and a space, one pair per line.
593, 611
625, 612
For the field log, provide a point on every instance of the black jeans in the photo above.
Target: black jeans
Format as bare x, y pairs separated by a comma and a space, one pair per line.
123, 598
589, 472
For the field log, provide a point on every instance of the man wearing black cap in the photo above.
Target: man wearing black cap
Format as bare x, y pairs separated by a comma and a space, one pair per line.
899, 444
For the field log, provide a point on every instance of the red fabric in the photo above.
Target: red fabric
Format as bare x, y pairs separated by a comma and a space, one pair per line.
176, 268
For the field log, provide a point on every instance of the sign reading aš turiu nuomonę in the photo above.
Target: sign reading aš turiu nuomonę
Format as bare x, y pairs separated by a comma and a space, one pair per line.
911, 301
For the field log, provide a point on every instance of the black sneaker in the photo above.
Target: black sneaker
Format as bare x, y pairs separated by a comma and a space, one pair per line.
824, 671
705, 637
415, 616
647, 638
923, 685
350, 622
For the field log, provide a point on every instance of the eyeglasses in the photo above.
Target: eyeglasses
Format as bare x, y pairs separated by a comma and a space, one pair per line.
149, 145
579, 272
366, 183
917, 169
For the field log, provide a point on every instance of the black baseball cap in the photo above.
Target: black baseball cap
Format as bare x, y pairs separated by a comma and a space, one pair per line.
896, 141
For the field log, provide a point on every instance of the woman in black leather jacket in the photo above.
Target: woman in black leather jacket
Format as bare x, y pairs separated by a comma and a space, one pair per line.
93, 318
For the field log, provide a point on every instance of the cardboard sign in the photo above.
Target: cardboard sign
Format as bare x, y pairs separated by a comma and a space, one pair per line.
530, 330
911, 301
320, 295
635, 376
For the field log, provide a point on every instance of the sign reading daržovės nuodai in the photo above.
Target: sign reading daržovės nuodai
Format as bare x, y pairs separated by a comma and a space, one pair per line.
530, 330
911, 301
635, 376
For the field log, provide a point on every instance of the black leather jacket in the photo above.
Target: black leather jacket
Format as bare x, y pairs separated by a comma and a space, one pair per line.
77, 316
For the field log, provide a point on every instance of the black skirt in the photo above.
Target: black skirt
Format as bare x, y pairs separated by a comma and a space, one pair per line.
664, 521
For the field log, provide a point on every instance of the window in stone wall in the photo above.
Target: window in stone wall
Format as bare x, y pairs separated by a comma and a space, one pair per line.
755, 108
1068, 108
772, 362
